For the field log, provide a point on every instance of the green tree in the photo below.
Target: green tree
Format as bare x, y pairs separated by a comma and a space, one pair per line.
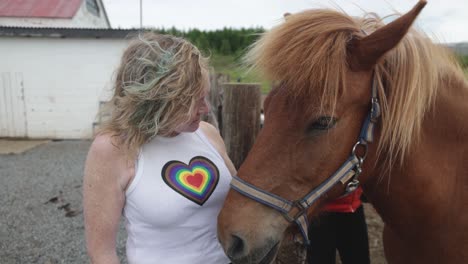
202, 43
225, 47
226, 41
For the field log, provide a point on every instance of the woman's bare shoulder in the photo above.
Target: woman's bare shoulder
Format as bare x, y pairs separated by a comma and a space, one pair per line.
105, 144
107, 159
212, 134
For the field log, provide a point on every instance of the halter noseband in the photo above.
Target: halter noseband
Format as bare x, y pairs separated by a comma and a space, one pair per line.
295, 211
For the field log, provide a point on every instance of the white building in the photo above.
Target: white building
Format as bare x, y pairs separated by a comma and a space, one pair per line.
57, 59
53, 13
53, 81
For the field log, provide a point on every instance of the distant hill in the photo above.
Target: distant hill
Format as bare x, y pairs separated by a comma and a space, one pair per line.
459, 48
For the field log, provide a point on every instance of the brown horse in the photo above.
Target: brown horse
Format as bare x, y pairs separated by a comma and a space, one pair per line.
326, 65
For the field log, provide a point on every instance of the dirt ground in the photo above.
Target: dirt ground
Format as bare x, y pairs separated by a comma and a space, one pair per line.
374, 228
291, 254
18, 146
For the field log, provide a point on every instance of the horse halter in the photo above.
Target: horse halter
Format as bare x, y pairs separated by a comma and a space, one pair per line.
347, 174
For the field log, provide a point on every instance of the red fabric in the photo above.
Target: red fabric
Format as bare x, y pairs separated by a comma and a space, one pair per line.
345, 204
39, 8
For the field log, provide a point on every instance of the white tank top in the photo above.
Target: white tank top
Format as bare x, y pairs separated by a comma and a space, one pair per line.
173, 202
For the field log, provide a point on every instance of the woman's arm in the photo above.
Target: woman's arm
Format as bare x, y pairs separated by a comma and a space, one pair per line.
107, 173
215, 138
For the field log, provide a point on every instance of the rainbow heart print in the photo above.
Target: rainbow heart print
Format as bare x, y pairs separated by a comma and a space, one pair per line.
195, 181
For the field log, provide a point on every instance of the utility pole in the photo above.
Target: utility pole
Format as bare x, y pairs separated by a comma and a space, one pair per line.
141, 14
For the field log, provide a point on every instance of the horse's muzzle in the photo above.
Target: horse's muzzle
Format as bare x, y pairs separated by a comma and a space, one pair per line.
238, 252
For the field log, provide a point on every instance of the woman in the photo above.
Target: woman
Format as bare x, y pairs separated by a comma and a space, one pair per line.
156, 162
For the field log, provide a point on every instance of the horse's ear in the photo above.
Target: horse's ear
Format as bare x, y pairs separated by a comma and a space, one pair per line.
364, 53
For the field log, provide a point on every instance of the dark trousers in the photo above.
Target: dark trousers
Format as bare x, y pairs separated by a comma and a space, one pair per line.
345, 232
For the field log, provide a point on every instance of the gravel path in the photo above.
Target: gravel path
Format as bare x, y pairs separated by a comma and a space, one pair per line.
41, 219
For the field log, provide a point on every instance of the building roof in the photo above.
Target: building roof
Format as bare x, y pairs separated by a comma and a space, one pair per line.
39, 8
66, 32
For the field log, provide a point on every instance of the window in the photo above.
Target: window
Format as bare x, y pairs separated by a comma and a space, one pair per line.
92, 7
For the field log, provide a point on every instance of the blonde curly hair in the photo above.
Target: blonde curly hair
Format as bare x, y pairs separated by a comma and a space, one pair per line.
158, 82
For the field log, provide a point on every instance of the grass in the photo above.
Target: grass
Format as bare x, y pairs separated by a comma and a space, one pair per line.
463, 59
231, 65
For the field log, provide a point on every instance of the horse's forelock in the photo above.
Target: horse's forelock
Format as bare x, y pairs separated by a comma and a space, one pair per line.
307, 53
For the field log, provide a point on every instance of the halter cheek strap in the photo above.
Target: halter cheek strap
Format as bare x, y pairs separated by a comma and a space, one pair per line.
347, 174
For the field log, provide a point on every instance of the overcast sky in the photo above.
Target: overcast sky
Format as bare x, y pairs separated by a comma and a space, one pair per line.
444, 20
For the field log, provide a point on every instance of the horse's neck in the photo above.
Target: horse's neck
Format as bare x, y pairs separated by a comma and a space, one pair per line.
446, 121
434, 178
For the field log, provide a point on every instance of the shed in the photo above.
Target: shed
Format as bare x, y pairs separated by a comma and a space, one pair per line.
53, 80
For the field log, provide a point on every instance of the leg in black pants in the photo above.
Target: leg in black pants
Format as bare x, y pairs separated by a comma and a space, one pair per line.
322, 236
353, 242
345, 232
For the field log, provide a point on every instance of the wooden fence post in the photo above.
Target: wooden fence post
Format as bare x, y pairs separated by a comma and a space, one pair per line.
240, 119
216, 99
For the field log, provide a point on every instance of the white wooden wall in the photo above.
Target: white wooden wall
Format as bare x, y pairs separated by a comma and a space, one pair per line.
51, 88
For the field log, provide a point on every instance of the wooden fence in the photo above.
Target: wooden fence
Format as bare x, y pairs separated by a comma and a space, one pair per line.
235, 111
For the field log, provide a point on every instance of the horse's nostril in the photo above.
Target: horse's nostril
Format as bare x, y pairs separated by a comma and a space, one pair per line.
236, 250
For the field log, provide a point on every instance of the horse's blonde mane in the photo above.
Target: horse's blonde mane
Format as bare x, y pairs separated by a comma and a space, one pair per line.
308, 54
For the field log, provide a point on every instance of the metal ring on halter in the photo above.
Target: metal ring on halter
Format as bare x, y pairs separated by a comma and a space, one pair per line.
366, 147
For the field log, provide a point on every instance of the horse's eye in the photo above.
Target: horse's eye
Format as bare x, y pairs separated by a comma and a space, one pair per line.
322, 123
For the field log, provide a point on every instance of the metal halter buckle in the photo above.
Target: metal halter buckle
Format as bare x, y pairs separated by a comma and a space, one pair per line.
352, 185
375, 109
